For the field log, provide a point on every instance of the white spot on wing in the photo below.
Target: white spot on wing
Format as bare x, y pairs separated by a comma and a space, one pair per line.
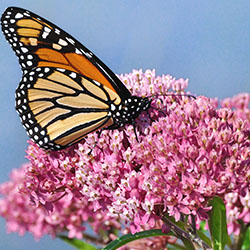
78, 51
97, 83
73, 75
70, 40
88, 55
46, 29
44, 35
113, 107
57, 31
62, 42
24, 50
18, 15
61, 70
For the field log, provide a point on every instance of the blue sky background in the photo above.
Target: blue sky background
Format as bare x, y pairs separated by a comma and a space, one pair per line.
205, 41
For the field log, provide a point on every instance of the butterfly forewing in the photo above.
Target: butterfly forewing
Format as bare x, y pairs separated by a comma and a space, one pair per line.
39, 43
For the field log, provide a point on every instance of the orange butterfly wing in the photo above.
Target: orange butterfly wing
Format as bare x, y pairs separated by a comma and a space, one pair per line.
39, 43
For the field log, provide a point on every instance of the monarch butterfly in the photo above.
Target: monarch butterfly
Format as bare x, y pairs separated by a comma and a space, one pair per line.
66, 92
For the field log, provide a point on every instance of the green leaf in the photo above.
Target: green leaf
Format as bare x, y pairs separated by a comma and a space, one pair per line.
202, 227
204, 237
78, 244
188, 244
123, 240
217, 224
246, 241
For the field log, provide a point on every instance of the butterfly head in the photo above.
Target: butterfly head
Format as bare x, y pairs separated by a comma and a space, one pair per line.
129, 110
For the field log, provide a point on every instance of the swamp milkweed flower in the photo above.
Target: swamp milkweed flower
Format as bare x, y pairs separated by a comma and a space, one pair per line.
189, 151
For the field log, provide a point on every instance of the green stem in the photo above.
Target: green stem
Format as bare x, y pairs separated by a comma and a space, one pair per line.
239, 241
186, 237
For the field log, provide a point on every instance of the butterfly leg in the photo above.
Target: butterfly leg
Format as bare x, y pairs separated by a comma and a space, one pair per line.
96, 141
134, 127
151, 119
112, 127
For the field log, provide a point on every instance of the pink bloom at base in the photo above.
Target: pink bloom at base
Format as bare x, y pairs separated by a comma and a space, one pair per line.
69, 213
189, 151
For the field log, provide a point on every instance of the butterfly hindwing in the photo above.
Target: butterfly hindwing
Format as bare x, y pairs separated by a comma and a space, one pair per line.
58, 107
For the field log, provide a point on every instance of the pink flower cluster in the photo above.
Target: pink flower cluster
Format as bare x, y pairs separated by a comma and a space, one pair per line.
189, 151
70, 213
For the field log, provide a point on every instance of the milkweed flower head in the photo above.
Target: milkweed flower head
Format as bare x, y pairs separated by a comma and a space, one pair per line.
189, 151
70, 213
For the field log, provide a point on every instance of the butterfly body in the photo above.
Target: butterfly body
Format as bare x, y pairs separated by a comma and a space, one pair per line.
130, 109
66, 92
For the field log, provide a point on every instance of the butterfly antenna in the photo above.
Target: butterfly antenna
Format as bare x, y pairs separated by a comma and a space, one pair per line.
169, 94
159, 110
157, 95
